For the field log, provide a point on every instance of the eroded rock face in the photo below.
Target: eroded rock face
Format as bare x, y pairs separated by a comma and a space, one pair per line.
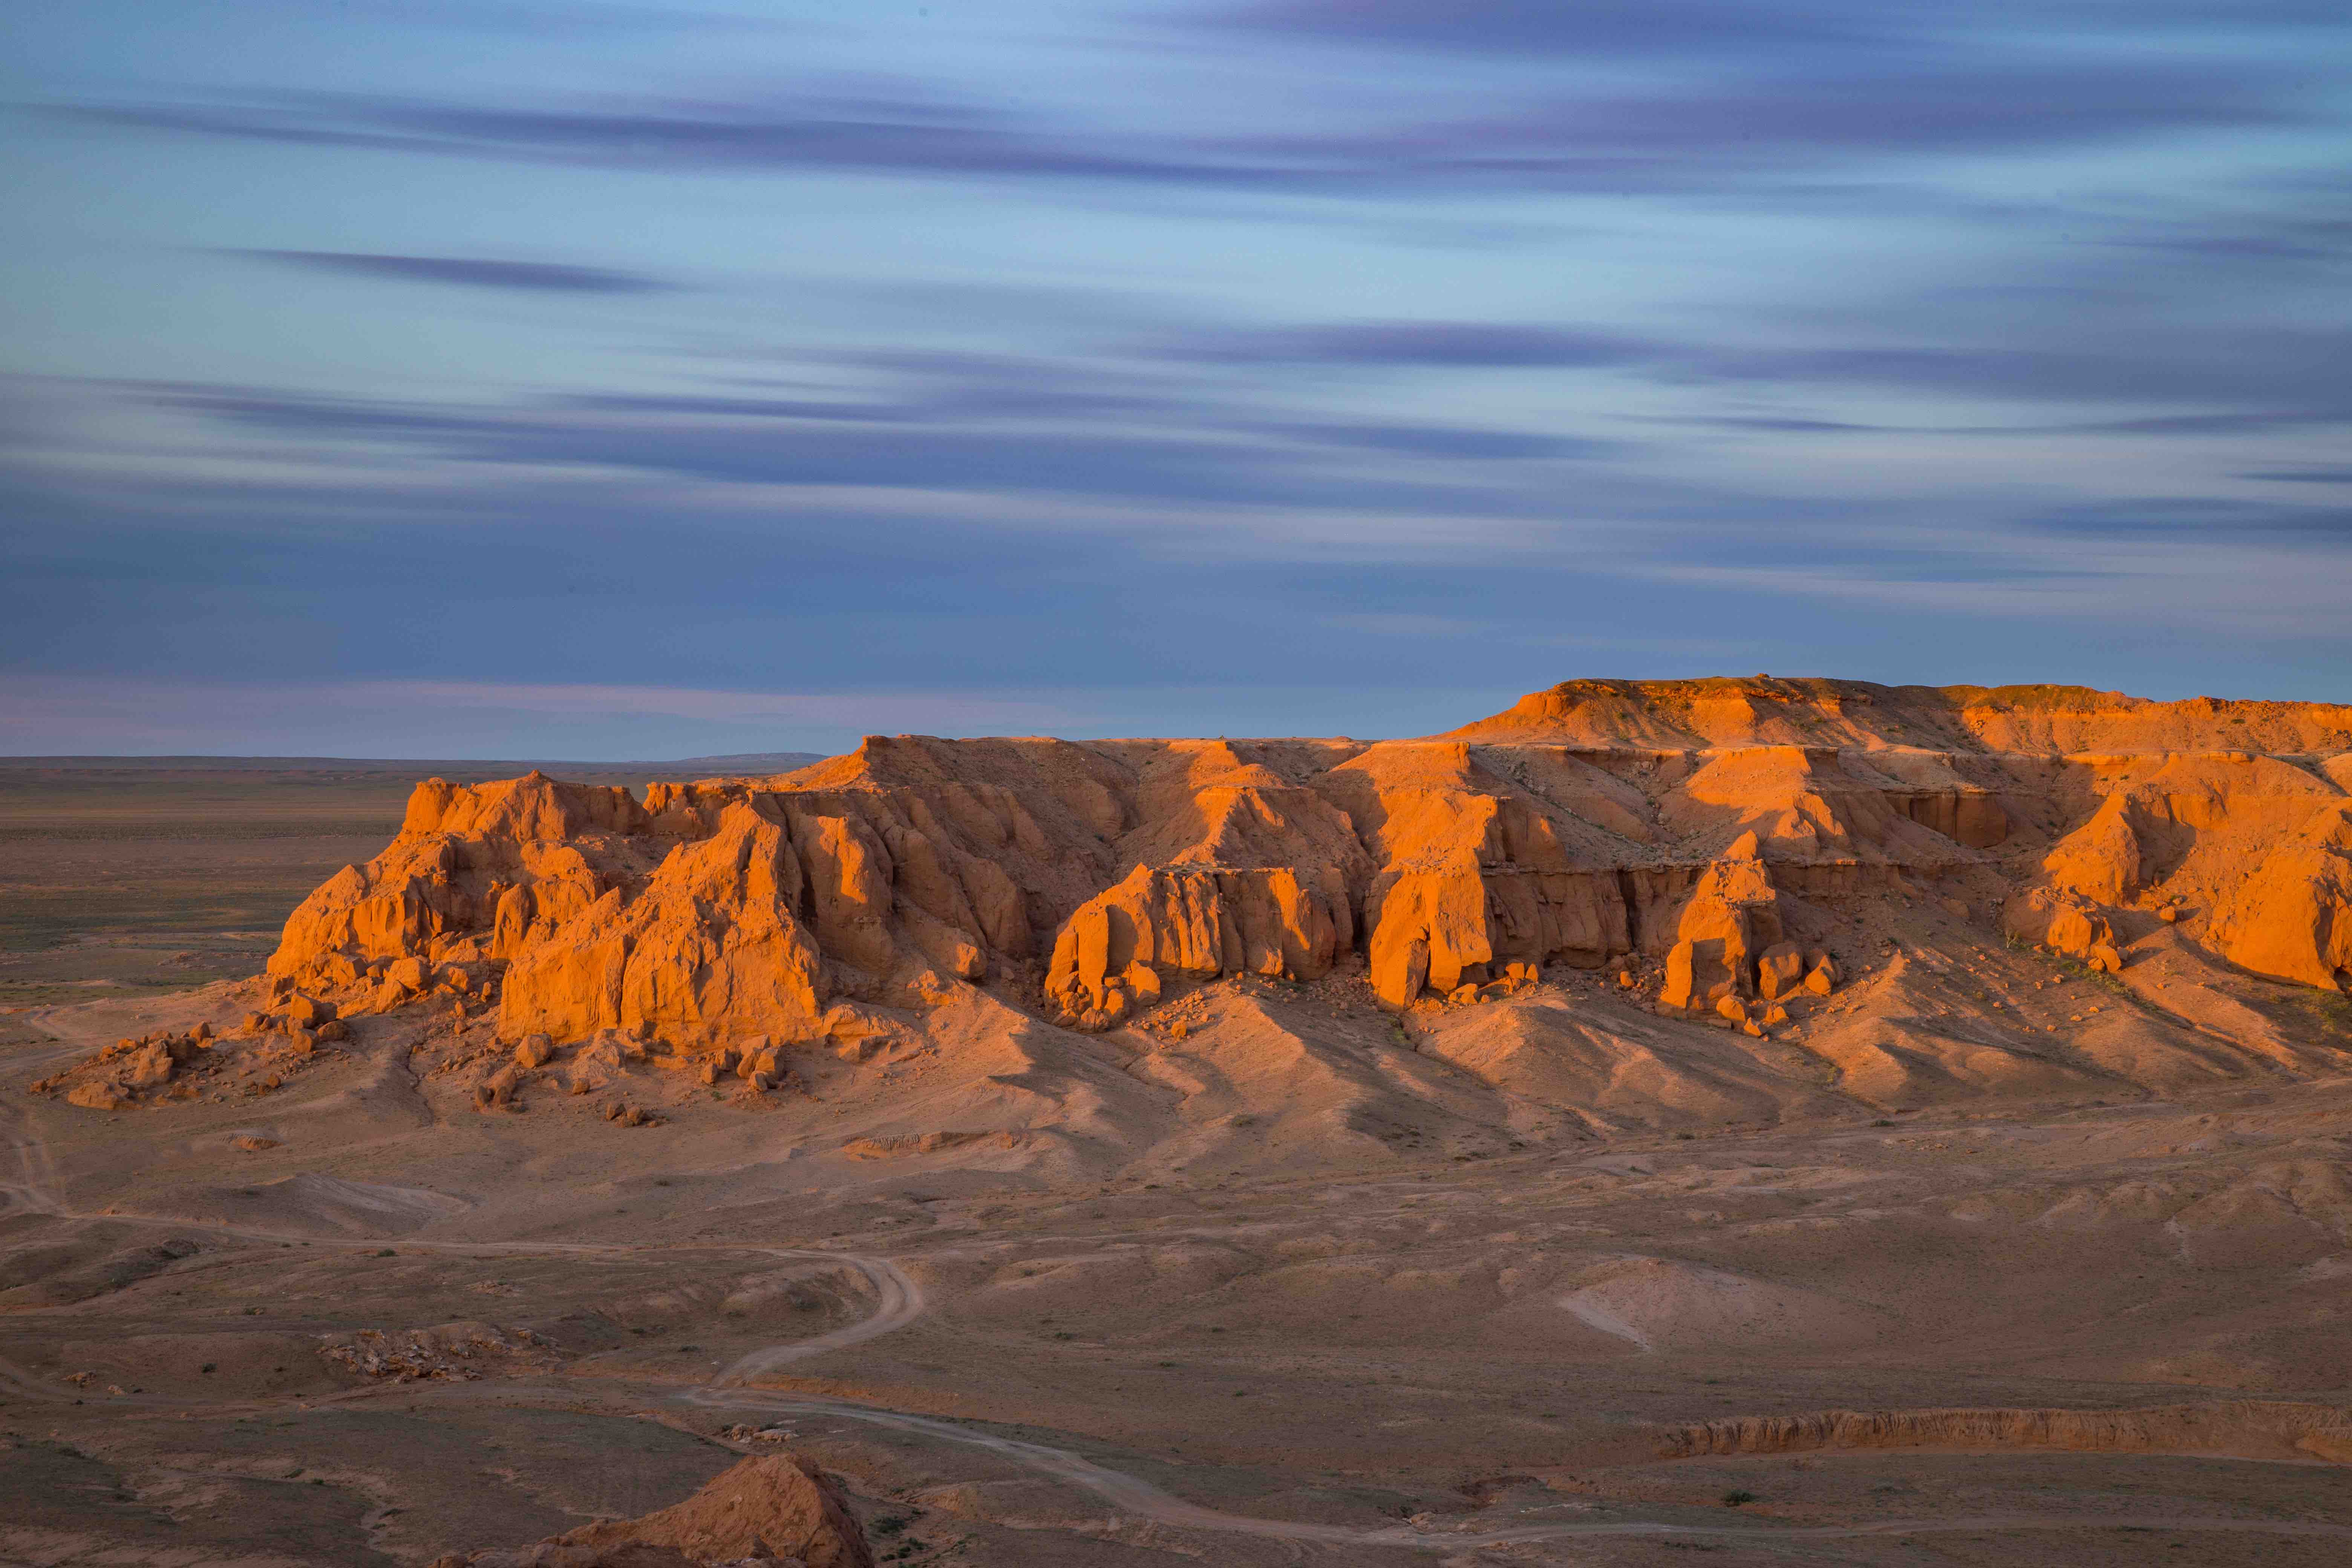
709, 947
2292, 918
1726, 832
1732, 920
1200, 922
715, 913
1433, 932
776, 1508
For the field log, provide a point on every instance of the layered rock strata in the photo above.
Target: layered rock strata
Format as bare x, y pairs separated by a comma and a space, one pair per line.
1726, 836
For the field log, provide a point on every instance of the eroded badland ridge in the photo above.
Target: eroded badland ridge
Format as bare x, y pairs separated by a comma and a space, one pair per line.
1740, 838
1563, 1124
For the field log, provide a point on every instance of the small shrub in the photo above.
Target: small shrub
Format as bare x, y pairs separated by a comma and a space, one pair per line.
1735, 1499
889, 1524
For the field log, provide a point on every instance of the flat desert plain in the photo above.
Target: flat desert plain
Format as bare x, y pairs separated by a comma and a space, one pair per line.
1789, 1122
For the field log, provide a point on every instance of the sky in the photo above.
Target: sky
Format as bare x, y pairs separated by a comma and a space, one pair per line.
657, 378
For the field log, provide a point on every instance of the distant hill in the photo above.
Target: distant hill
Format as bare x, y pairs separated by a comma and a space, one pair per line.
459, 769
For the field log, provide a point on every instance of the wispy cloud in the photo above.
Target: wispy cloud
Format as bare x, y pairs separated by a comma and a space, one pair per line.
470, 272
1516, 27
1740, 30
1696, 130
881, 711
1219, 455
2216, 518
1489, 344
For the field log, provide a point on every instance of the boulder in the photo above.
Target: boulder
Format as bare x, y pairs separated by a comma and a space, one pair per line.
147, 1067
1779, 970
499, 1088
306, 1011
1141, 983
2059, 919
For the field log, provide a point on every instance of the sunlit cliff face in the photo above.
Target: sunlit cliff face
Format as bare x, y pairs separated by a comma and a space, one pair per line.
1753, 841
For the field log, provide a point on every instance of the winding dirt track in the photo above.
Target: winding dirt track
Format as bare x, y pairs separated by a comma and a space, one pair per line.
899, 1301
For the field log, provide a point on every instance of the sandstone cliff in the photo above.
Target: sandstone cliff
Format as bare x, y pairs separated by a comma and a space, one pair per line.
1722, 843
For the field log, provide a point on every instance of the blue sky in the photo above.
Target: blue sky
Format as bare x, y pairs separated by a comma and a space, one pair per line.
491, 377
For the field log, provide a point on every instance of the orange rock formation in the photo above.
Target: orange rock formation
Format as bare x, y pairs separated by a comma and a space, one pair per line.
1726, 831
776, 1508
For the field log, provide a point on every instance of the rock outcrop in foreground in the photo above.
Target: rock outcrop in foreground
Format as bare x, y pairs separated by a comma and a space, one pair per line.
1730, 834
774, 1512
